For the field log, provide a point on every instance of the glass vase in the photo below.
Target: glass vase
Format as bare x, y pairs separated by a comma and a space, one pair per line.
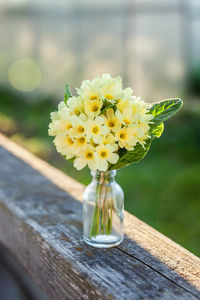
103, 211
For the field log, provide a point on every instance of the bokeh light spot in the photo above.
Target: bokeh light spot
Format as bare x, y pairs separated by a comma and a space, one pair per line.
24, 75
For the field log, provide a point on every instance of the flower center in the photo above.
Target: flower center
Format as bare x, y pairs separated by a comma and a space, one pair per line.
95, 108
111, 124
69, 126
81, 140
103, 154
127, 122
93, 97
89, 155
109, 97
95, 129
122, 136
69, 141
81, 129
76, 111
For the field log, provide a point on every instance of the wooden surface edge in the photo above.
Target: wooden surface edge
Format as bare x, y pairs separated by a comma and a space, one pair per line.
56, 176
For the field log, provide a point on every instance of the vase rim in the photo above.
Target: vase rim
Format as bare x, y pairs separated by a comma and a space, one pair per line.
104, 173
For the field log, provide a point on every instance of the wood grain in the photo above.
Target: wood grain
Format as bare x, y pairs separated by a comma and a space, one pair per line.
41, 225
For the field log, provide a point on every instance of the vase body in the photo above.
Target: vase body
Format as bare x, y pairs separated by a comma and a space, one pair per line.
103, 211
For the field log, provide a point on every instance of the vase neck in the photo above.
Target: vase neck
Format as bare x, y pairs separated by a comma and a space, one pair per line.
102, 177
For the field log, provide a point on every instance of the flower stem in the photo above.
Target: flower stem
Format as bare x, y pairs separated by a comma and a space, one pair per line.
102, 215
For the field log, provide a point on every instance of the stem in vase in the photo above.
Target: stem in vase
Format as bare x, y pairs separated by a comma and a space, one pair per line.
102, 218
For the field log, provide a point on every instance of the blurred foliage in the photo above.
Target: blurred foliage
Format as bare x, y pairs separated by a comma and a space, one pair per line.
194, 81
163, 189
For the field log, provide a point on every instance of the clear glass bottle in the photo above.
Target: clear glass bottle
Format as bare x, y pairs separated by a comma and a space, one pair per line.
103, 211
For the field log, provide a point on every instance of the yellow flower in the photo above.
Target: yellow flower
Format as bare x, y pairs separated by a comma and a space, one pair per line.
62, 107
111, 88
104, 155
127, 117
54, 116
112, 121
87, 157
142, 132
96, 129
80, 144
64, 145
129, 101
60, 125
93, 108
64, 126
121, 104
90, 93
52, 130
79, 126
126, 138
76, 105
108, 139
143, 128
130, 112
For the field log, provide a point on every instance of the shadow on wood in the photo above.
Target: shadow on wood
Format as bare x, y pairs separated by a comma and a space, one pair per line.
15, 283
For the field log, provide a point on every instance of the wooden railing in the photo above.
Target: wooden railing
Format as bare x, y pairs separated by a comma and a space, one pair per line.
41, 226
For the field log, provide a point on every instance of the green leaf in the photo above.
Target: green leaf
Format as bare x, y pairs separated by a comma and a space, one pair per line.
127, 157
107, 107
156, 130
165, 109
69, 159
67, 94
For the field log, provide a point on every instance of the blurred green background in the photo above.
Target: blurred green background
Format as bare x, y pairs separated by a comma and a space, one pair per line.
45, 46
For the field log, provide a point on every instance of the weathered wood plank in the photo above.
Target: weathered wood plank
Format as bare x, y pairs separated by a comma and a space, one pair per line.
161, 253
41, 225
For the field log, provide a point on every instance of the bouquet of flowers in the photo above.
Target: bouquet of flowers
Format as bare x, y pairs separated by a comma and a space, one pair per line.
106, 127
